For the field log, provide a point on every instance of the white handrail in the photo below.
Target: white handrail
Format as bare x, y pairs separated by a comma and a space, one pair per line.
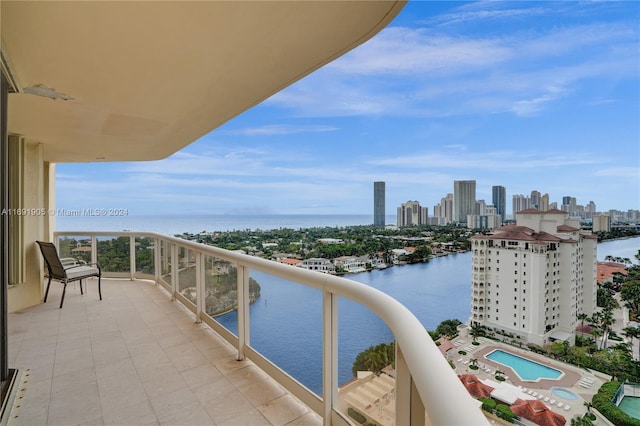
445, 399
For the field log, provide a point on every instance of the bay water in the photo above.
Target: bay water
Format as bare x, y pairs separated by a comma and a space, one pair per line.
286, 321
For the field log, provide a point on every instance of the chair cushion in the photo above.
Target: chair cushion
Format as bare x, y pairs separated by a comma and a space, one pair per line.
81, 271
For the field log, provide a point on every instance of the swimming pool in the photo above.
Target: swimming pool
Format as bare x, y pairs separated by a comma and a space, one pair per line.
564, 393
631, 406
523, 367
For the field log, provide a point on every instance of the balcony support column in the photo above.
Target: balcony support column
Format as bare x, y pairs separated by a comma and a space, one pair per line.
409, 406
329, 354
244, 335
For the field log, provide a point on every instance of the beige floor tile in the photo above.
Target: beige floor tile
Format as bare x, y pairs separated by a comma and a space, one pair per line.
283, 410
136, 358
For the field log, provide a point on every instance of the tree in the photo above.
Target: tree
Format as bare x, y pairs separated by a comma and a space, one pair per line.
374, 358
473, 363
630, 294
476, 330
448, 327
631, 333
582, 317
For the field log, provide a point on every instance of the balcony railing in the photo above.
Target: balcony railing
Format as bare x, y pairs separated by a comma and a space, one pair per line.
427, 389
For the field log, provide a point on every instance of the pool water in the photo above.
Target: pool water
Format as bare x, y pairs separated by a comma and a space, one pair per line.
631, 406
524, 368
564, 393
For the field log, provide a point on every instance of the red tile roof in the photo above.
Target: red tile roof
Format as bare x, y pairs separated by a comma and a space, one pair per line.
567, 228
474, 386
445, 345
606, 270
536, 411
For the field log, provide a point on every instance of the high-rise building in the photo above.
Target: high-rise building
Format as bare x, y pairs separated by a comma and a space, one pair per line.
379, 204
443, 212
544, 203
530, 280
464, 199
411, 214
536, 200
499, 200
520, 202
602, 223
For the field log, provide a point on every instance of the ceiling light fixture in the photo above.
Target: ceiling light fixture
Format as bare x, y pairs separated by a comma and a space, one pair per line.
46, 92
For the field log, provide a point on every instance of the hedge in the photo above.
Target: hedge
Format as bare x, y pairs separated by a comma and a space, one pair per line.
602, 402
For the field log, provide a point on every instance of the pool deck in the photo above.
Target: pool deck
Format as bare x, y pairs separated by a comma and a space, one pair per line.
571, 379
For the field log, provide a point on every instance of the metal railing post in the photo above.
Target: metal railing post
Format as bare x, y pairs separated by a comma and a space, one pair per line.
200, 287
132, 256
157, 263
174, 271
244, 336
94, 249
329, 354
409, 407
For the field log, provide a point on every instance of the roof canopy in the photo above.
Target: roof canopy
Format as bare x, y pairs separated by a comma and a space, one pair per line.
144, 79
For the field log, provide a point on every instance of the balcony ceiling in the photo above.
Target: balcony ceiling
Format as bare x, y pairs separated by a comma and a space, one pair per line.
148, 78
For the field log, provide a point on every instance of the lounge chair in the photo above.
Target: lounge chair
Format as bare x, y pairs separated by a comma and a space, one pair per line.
540, 396
546, 399
67, 270
535, 394
567, 408
560, 404
552, 401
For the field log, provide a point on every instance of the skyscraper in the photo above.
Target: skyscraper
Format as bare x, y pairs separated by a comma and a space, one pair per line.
378, 204
531, 280
412, 214
536, 200
464, 199
499, 200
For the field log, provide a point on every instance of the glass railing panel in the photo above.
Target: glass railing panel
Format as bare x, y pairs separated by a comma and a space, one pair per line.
187, 274
76, 247
114, 254
220, 285
144, 255
295, 311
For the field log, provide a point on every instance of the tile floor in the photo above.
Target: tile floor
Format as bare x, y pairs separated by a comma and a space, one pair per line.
135, 358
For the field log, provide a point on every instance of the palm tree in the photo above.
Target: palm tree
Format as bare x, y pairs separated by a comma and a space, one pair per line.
476, 331
473, 363
499, 375
582, 317
631, 333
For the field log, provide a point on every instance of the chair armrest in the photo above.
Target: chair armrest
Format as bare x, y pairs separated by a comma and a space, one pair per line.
68, 261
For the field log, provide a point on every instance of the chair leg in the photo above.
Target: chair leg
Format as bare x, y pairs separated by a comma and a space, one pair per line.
46, 293
99, 289
81, 292
64, 290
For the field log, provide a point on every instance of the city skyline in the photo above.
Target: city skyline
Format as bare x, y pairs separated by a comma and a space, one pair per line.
526, 95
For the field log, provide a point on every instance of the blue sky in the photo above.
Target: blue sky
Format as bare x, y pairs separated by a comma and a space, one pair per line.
527, 95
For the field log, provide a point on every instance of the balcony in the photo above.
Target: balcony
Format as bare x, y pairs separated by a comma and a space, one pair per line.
150, 353
136, 357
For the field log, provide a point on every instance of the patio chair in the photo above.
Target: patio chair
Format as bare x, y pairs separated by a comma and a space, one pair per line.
67, 270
